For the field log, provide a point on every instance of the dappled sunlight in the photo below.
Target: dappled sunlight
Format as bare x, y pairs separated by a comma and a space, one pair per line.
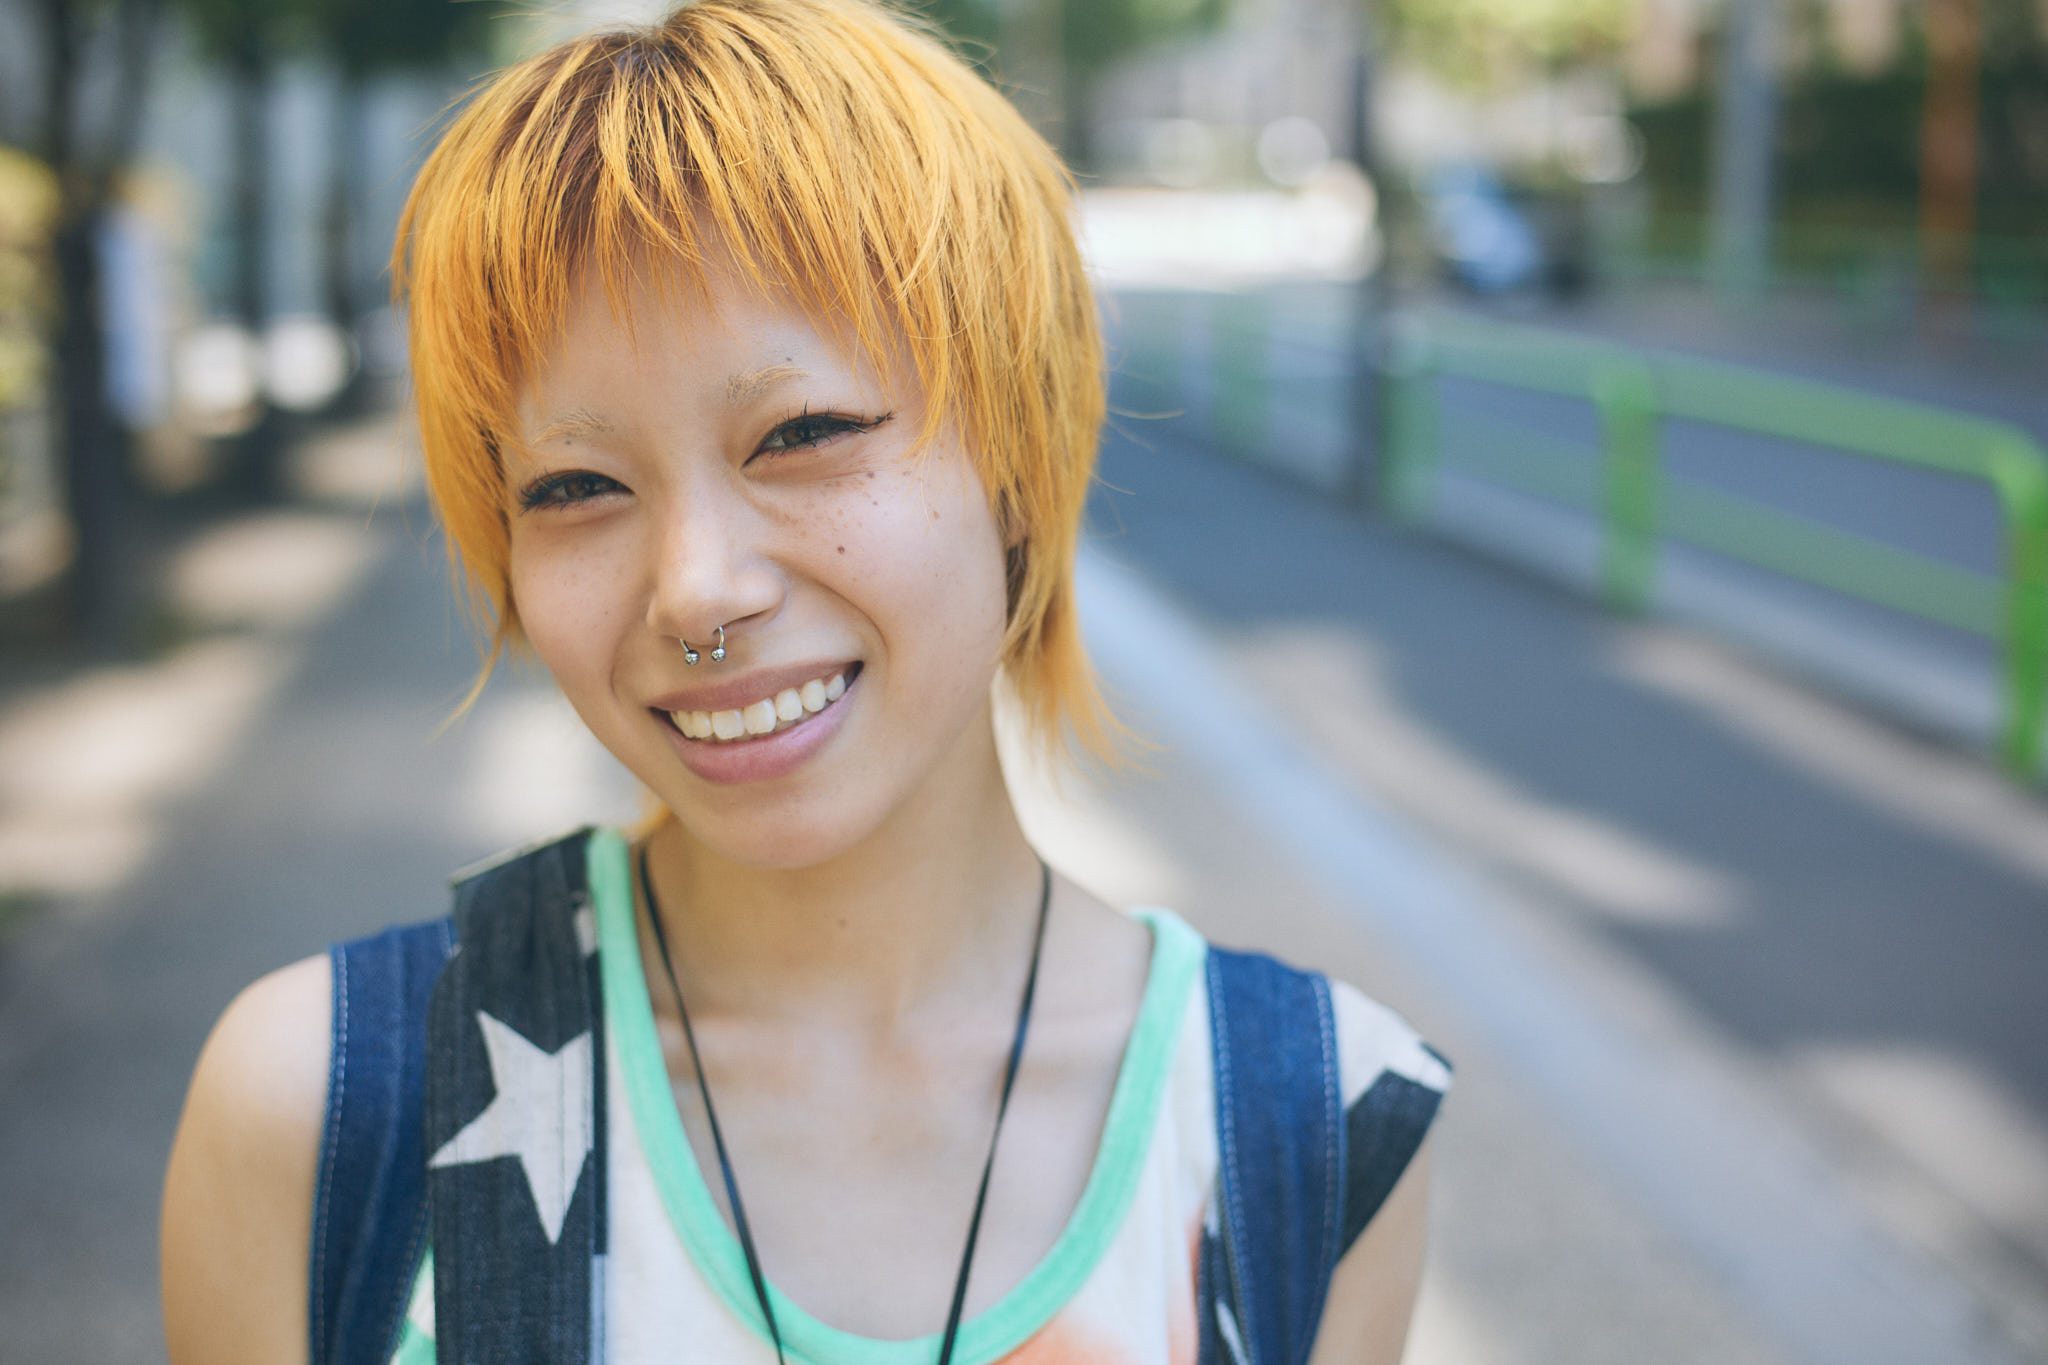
277, 569
91, 768
1942, 1109
1952, 795
531, 770
1939, 1113
368, 465
88, 770
1339, 696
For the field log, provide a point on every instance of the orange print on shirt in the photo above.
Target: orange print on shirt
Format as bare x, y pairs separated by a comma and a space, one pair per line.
1182, 1340
1063, 1342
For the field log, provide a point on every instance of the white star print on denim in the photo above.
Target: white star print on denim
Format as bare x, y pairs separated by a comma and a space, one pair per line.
530, 1118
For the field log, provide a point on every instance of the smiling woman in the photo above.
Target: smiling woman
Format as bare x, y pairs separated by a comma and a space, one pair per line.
759, 383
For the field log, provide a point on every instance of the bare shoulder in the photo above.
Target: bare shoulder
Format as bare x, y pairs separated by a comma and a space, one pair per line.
1392, 1082
237, 1212
1372, 1294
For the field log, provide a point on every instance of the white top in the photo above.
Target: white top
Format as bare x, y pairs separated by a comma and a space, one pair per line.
1117, 1288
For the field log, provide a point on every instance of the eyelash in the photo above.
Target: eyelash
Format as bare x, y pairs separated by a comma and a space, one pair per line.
822, 427
553, 490
809, 428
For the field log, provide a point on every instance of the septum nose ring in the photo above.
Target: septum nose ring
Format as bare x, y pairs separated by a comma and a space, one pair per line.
690, 656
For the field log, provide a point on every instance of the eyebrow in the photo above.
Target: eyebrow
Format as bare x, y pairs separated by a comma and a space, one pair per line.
581, 422
570, 425
754, 383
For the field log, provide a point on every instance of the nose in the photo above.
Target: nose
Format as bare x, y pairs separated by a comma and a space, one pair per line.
711, 567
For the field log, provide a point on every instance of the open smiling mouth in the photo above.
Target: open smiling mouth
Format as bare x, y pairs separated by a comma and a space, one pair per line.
790, 707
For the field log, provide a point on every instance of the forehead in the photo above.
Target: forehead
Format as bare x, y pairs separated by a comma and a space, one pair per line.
718, 329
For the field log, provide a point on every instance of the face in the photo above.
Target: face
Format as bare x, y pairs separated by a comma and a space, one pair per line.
715, 460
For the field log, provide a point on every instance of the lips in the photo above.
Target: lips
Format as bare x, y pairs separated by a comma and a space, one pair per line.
776, 747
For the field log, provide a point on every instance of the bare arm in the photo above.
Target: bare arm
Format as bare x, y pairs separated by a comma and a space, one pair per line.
238, 1197
1372, 1294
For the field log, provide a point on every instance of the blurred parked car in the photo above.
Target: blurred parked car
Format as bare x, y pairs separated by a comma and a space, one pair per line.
1493, 240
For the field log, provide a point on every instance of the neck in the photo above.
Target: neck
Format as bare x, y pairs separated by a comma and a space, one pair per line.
934, 908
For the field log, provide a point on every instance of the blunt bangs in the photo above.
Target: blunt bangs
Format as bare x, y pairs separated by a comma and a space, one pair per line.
830, 147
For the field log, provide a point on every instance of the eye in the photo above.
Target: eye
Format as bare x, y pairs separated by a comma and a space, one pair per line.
566, 489
814, 429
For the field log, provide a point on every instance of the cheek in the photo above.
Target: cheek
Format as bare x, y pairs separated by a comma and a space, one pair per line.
945, 570
569, 608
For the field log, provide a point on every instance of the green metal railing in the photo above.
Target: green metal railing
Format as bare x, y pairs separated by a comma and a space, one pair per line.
1641, 504
1878, 272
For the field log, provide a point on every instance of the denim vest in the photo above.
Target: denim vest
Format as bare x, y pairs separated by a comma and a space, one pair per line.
1284, 1214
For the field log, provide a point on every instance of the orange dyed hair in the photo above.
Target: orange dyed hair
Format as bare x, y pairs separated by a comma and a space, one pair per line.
832, 147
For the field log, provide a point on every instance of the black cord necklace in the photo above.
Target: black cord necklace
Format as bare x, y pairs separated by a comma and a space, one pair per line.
732, 1189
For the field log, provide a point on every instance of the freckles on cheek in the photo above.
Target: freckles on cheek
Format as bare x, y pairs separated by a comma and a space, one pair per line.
565, 612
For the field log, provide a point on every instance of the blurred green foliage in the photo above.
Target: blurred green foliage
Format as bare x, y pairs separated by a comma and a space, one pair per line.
1093, 34
1088, 38
28, 207
1484, 43
1848, 152
361, 37
366, 36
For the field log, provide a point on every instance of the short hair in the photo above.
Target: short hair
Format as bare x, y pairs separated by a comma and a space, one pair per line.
833, 147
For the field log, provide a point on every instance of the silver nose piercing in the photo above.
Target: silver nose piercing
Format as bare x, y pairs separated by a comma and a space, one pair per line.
690, 656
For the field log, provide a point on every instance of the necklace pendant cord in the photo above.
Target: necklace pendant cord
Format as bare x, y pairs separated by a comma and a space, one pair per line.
732, 1188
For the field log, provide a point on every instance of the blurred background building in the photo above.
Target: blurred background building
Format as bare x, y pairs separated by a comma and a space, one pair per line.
1574, 507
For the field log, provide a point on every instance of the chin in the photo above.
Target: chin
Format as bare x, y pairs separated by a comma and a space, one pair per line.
777, 840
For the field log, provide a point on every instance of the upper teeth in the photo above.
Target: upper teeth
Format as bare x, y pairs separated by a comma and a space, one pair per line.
786, 707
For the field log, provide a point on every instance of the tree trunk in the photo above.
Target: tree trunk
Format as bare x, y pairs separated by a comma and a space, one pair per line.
338, 220
257, 451
1373, 295
76, 383
1745, 143
1948, 151
93, 484
89, 446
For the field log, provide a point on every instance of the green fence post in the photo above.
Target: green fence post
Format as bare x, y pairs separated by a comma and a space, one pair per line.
1239, 345
1410, 442
1625, 394
2020, 472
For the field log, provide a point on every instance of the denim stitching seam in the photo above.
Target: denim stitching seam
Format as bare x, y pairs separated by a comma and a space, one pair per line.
422, 1220
337, 1082
1332, 1139
1226, 1105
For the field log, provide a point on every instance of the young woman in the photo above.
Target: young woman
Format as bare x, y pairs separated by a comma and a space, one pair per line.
759, 383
